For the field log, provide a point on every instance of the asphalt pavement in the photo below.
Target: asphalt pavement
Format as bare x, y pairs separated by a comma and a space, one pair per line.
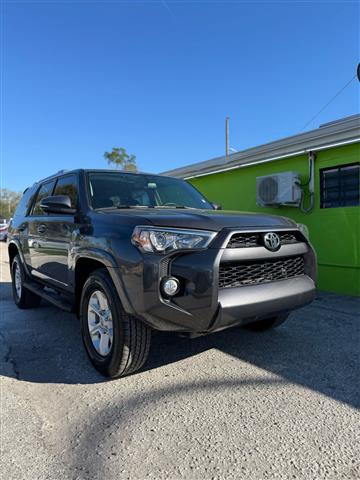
282, 404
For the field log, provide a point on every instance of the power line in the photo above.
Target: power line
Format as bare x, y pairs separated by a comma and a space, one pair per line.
328, 103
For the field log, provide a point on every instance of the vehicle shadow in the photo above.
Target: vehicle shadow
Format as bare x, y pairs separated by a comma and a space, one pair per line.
119, 414
318, 348
42, 344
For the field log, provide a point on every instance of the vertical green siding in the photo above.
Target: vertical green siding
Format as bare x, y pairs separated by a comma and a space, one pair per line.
334, 232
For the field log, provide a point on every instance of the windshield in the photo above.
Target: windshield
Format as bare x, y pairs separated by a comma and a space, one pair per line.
129, 190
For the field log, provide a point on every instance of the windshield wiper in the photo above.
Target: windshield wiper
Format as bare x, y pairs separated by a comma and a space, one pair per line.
133, 206
175, 206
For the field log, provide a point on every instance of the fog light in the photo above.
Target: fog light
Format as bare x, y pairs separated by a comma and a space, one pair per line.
170, 286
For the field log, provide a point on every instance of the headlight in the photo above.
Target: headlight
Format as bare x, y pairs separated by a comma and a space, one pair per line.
164, 240
304, 230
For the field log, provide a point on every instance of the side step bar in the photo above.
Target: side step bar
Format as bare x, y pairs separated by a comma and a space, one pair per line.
54, 299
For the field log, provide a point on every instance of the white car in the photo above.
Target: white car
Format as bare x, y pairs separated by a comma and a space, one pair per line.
3, 230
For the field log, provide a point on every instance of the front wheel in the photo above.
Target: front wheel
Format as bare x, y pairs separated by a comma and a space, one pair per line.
266, 323
116, 343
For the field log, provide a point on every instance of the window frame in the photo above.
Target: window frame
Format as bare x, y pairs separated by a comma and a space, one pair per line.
35, 197
32, 191
77, 188
340, 190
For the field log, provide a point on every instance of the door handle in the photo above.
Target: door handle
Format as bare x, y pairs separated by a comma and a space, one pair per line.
41, 229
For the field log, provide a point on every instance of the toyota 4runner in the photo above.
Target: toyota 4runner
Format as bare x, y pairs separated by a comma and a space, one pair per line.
130, 253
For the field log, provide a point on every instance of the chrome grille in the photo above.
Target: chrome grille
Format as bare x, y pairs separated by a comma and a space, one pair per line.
251, 273
244, 240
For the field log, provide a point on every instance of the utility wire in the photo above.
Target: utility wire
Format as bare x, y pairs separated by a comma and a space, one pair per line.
328, 103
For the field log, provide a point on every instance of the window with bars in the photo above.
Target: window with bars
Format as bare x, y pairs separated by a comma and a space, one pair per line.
339, 186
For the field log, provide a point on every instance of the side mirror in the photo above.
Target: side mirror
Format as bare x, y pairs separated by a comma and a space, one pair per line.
216, 206
57, 204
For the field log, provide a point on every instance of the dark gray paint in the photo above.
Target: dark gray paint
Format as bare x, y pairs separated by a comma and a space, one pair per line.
105, 236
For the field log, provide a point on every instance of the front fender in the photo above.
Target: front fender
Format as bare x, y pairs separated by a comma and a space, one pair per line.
109, 262
14, 242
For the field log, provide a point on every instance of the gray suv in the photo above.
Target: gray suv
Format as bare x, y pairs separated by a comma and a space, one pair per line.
130, 253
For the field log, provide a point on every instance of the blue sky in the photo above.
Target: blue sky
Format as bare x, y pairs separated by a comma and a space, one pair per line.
158, 78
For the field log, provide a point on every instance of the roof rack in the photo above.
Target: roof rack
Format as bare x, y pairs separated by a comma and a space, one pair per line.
53, 175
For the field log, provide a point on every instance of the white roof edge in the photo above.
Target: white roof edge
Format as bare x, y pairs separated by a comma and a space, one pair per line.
340, 132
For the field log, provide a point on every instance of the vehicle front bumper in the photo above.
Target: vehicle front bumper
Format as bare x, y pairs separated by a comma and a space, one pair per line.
201, 306
242, 305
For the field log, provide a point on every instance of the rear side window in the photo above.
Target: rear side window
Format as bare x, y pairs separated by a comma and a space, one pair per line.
25, 202
45, 191
68, 186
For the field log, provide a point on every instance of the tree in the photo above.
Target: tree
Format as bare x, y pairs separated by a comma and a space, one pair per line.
8, 202
121, 159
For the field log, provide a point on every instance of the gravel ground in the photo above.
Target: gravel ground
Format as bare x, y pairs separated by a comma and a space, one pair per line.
281, 404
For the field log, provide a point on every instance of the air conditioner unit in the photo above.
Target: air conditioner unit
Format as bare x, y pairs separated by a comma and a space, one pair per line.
278, 189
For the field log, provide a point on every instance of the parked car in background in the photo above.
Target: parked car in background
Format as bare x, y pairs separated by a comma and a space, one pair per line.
130, 253
3, 229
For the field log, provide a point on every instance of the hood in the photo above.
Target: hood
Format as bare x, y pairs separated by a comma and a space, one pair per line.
214, 220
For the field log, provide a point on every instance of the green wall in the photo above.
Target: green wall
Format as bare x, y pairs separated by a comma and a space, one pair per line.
334, 232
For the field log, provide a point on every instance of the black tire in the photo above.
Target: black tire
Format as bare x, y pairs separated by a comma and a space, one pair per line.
24, 299
266, 323
131, 338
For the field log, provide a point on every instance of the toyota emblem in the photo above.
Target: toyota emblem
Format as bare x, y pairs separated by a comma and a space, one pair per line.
272, 241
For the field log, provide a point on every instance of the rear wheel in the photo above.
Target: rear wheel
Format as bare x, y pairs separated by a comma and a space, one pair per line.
266, 323
116, 343
22, 297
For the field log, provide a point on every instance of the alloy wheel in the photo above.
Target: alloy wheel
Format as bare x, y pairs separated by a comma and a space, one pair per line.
18, 280
100, 323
